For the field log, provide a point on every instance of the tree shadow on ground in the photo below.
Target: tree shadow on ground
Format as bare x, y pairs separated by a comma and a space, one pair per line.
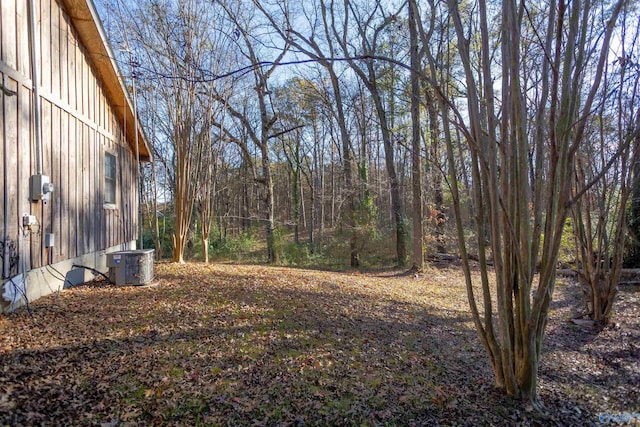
597, 365
218, 347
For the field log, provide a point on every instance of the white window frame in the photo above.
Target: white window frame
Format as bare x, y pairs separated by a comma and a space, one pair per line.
110, 202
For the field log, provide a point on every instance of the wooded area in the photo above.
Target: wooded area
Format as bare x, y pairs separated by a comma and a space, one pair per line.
506, 133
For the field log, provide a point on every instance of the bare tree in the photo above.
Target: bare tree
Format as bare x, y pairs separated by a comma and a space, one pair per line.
208, 180
170, 40
416, 142
510, 210
260, 135
367, 47
599, 221
318, 45
604, 181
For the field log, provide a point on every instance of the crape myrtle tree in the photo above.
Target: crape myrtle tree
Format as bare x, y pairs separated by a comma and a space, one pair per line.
172, 41
520, 217
211, 137
604, 176
208, 184
599, 216
189, 53
172, 46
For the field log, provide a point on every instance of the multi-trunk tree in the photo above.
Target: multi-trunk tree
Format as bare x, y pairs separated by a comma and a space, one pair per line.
171, 44
173, 38
604, 178
520, 220
531, 79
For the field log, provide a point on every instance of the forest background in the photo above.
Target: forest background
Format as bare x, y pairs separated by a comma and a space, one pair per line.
500, 135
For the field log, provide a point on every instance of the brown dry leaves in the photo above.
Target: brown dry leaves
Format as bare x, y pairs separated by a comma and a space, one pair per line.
254, 345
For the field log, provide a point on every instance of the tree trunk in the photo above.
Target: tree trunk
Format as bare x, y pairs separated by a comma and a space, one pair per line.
501, 167
438, 214
370, 79
183, 200
205, 249
397, 204
416, 159
312, 221
272, 254
348, 170
295, 192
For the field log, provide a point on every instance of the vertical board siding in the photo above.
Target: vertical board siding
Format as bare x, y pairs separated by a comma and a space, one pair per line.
9, 33
52, 254
83, 190
56, 59
22, 31
43, 209
45, 44
11, 132
2, 169
78, 126
91, 192
64, 59
61, 249
84, 88
71, 65
72, 220
26, 144
77, 83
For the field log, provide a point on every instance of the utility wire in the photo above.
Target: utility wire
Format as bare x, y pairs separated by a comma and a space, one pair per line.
23, 292
96, 272
248, 68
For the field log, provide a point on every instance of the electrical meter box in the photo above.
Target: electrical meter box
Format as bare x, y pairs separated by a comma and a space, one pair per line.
131, 267
40, 187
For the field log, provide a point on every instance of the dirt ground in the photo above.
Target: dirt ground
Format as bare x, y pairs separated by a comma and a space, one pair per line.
255, 345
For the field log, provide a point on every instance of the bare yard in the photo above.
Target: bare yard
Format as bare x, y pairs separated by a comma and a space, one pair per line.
254, 345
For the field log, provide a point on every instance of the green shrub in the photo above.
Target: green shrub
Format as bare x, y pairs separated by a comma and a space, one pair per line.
568, 251
167, 227
239, 247
279, 243
297, 254
567, 254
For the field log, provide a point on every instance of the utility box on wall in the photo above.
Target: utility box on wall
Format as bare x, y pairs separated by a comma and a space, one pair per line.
40, 187
131, 267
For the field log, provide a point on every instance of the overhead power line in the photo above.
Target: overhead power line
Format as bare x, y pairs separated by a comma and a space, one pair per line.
248, 68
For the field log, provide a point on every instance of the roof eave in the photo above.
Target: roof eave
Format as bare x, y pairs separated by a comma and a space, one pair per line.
87, 23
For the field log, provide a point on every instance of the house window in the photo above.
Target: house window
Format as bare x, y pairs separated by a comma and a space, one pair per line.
109, 178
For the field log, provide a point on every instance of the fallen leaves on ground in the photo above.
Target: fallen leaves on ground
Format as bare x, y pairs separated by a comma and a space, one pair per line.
256, 345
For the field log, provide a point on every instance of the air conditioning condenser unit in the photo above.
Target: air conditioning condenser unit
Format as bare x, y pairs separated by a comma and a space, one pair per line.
133, 267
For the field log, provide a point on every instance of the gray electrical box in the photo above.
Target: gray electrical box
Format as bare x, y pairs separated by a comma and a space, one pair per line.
131, 267
40, 187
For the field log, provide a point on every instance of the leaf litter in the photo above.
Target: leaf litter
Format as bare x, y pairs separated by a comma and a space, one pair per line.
255, 345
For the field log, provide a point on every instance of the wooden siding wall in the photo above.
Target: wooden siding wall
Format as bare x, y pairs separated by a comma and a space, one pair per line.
78, 125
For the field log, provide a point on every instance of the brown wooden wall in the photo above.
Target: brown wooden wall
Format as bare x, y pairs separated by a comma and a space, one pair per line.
78, 125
